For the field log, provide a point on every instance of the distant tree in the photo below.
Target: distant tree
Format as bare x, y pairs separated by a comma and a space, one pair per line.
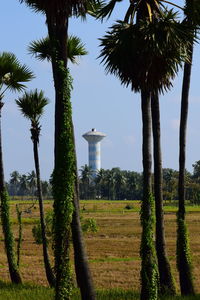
23, 185
86, 177
120, 181
14, 181
196, 170
100, 181
32, 182
12, 77
46, 188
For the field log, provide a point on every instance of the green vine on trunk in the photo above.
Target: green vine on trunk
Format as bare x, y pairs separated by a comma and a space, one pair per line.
184, 261
63, 191
19, 242
9, 240
149, 268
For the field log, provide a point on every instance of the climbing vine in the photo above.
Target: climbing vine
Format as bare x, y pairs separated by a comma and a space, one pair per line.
63, 190
183, 257
149, 270
9, 240
19, 242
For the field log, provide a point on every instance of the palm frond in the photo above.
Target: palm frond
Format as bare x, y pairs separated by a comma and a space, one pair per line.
147, 55
12, 73
75, 48
107, 9
42, 48
32, 104
192, 12
67, 7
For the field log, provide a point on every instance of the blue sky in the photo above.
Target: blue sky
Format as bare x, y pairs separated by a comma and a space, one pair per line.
98, 99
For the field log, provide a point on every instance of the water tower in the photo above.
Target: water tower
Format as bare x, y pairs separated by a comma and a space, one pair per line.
94, 138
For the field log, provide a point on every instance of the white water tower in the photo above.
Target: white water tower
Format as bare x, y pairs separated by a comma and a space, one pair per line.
94, 138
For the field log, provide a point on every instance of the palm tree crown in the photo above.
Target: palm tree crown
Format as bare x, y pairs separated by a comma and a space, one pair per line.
69, 7
42, 48
146, 54
32, 106
12, 73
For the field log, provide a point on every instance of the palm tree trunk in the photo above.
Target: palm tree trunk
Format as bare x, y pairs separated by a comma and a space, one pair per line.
5, 219
167, 285
183, 251
149, 272
65, 164
48, 269
63, 176
83, 274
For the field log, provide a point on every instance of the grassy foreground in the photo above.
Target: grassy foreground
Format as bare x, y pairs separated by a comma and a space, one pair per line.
28, 292
113, 251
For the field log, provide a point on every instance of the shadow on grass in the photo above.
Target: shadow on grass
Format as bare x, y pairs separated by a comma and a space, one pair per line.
9, 291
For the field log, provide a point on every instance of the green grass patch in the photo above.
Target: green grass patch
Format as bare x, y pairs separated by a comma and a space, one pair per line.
114, 259
10, 291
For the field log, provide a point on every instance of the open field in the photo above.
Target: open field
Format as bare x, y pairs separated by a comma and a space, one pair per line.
113, 251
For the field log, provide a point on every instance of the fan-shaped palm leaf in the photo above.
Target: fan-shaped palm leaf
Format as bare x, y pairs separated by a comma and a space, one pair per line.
32, 104
146, 55
146, 8
12, 73
42, 48
68, 7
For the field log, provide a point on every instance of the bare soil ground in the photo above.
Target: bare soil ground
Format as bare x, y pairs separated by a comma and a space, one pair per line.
113, 251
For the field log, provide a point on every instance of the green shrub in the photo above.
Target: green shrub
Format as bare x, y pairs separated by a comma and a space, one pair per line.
88, 225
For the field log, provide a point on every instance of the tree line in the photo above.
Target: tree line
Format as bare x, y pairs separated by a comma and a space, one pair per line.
117, 184
113, 184
26, 185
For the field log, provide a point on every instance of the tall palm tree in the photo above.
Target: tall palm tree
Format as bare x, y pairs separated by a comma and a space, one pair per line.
12, 77
167, 285
146, 55
42, 50
32, 106
192, 13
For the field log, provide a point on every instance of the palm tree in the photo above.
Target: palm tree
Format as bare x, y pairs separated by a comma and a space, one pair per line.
23, 183
14, 180
32, 182
75, 48
32, 106
192, 12
12, 76
143, 55
86, 178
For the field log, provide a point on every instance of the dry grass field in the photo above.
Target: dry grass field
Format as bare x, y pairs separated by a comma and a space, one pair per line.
113, 251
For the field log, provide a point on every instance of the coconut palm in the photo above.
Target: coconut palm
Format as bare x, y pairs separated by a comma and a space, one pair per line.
32, 182
14, 180
87, 175
42, 50
12, 77
32, 106
143, 55
192, 13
